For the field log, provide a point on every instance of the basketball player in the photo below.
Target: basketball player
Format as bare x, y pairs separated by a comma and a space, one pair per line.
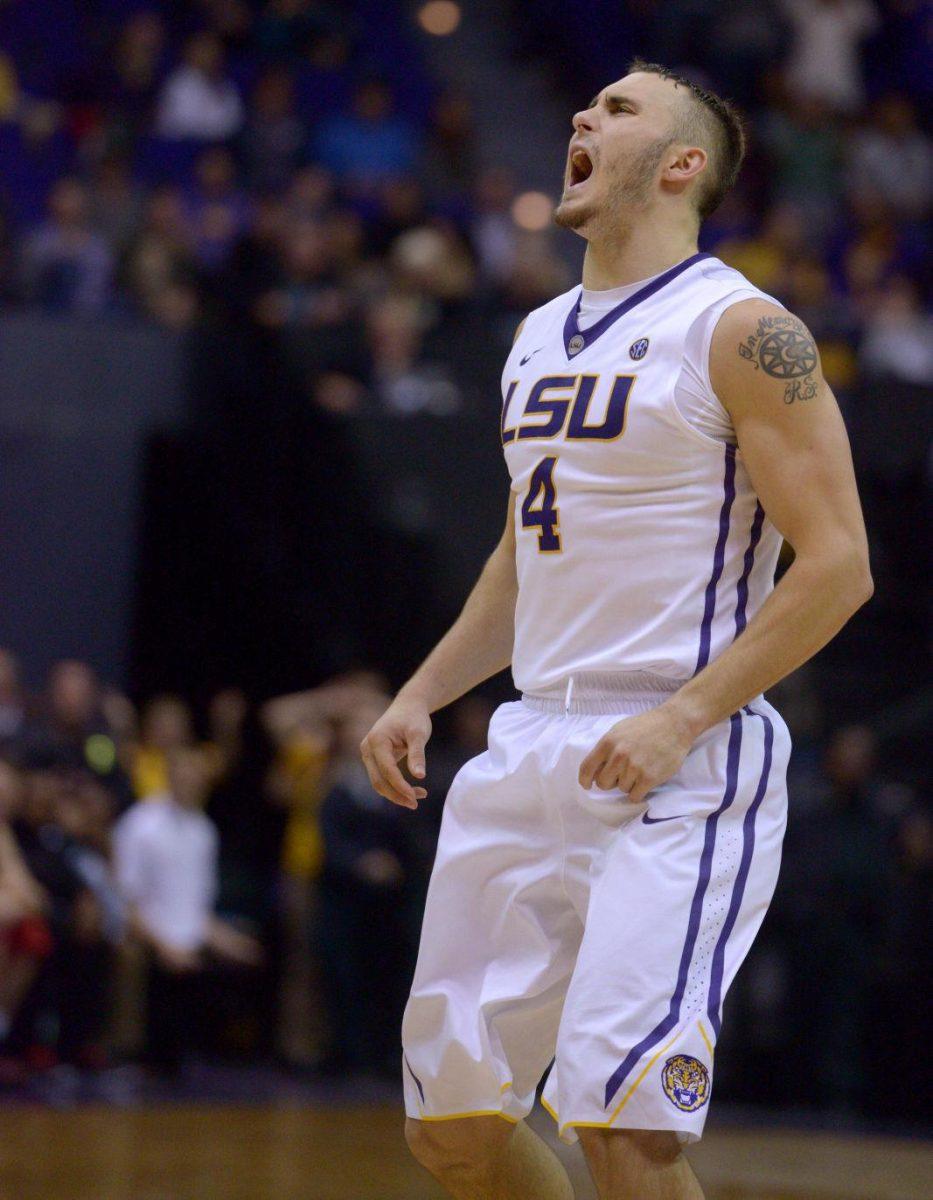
603, 869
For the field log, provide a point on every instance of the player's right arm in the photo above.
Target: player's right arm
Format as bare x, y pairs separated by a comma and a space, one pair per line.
477, 645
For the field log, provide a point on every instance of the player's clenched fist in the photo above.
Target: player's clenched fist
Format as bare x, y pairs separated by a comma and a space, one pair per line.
401, 732
638, 754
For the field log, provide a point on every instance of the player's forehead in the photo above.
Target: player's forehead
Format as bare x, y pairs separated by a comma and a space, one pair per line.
651, 92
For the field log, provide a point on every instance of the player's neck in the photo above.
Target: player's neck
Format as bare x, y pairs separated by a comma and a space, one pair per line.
639, 254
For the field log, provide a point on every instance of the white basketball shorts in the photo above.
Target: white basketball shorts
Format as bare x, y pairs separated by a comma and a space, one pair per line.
570, 924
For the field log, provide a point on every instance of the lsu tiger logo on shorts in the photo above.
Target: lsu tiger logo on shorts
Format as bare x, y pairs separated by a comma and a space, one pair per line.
686, 1082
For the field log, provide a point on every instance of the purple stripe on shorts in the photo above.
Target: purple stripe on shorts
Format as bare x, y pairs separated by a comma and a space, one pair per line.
714, 1008
747, 570
693, 924
414, 1077
719, 556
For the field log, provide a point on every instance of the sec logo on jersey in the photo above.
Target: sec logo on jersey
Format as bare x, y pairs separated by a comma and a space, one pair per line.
638, 349
686, 1082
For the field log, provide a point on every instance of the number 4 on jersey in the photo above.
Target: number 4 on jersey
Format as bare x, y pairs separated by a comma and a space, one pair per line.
546, 517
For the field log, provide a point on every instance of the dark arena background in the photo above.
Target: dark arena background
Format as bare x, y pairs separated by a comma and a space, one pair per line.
260, 265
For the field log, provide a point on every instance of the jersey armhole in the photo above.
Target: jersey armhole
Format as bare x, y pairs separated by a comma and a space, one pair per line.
704, 412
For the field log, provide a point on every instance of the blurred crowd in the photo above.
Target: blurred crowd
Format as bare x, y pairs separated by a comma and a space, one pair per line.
287, 164
173, 887
227, 884
288, 170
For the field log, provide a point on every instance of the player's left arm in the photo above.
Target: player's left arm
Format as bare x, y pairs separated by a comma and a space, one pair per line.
793, 442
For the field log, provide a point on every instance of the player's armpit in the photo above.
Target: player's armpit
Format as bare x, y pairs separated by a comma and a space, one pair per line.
765, 369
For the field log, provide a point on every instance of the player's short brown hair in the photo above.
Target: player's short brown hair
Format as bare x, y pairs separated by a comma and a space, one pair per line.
711, 122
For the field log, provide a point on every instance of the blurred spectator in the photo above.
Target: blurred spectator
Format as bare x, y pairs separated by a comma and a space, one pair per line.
286, 28
218, 209
403, 382
9, 88
805, 153
366, 938
433, 260
306, 295
898, 341
745, 39
66, 264
324, 73
166, 727
493, 232
450, 160
766, 255
891, 160
836, 884
274, 136
870, 256
64, 1013
84, 812
131, 77
370, 144
165, 859
25, 939
74, 732
310, 193
199, 100
402, 206
159, 269
245, 805
13, 713
824, 61
116, 202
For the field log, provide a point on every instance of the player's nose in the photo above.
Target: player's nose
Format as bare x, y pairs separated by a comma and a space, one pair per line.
584, 120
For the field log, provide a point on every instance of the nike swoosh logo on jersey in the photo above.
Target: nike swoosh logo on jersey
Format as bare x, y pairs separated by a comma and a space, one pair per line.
522, 361
657, 820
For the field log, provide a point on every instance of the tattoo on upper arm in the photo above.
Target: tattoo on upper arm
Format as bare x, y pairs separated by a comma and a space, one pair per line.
784, 348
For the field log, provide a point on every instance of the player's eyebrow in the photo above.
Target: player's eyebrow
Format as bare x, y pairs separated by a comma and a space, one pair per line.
614, 99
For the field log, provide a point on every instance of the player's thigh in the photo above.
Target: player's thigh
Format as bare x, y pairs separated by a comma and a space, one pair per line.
499, 938
677, 902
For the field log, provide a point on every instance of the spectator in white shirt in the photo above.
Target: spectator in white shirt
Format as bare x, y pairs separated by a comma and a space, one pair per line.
824, 61
892, 161
165, 859
198, 101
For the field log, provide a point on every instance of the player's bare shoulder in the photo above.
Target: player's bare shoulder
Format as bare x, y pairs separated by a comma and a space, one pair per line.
763, 354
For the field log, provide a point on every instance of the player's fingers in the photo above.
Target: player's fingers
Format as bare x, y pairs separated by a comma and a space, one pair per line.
381, 785
416, 754
369, 762
593, 763
607, 778
639, 791
384, 774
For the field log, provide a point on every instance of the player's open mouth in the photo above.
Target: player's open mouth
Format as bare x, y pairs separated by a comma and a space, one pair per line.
581, 168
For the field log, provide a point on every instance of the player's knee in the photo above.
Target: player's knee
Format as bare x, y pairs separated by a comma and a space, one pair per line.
456, 1147
646, 1147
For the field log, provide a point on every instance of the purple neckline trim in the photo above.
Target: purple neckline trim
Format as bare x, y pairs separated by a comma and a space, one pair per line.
586, 339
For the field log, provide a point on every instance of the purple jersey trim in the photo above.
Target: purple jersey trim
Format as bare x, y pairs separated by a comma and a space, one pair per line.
719, 556
587, 337
714, 1008
693, 924
747, 570
414, 1077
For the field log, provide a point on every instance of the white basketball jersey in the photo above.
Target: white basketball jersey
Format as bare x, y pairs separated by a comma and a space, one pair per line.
641, 545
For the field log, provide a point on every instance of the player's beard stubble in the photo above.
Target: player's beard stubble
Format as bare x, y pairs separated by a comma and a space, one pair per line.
629, 185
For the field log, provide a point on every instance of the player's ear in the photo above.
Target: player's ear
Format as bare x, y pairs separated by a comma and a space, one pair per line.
684, 165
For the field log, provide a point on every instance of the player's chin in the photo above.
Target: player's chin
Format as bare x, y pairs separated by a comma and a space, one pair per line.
572, 212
